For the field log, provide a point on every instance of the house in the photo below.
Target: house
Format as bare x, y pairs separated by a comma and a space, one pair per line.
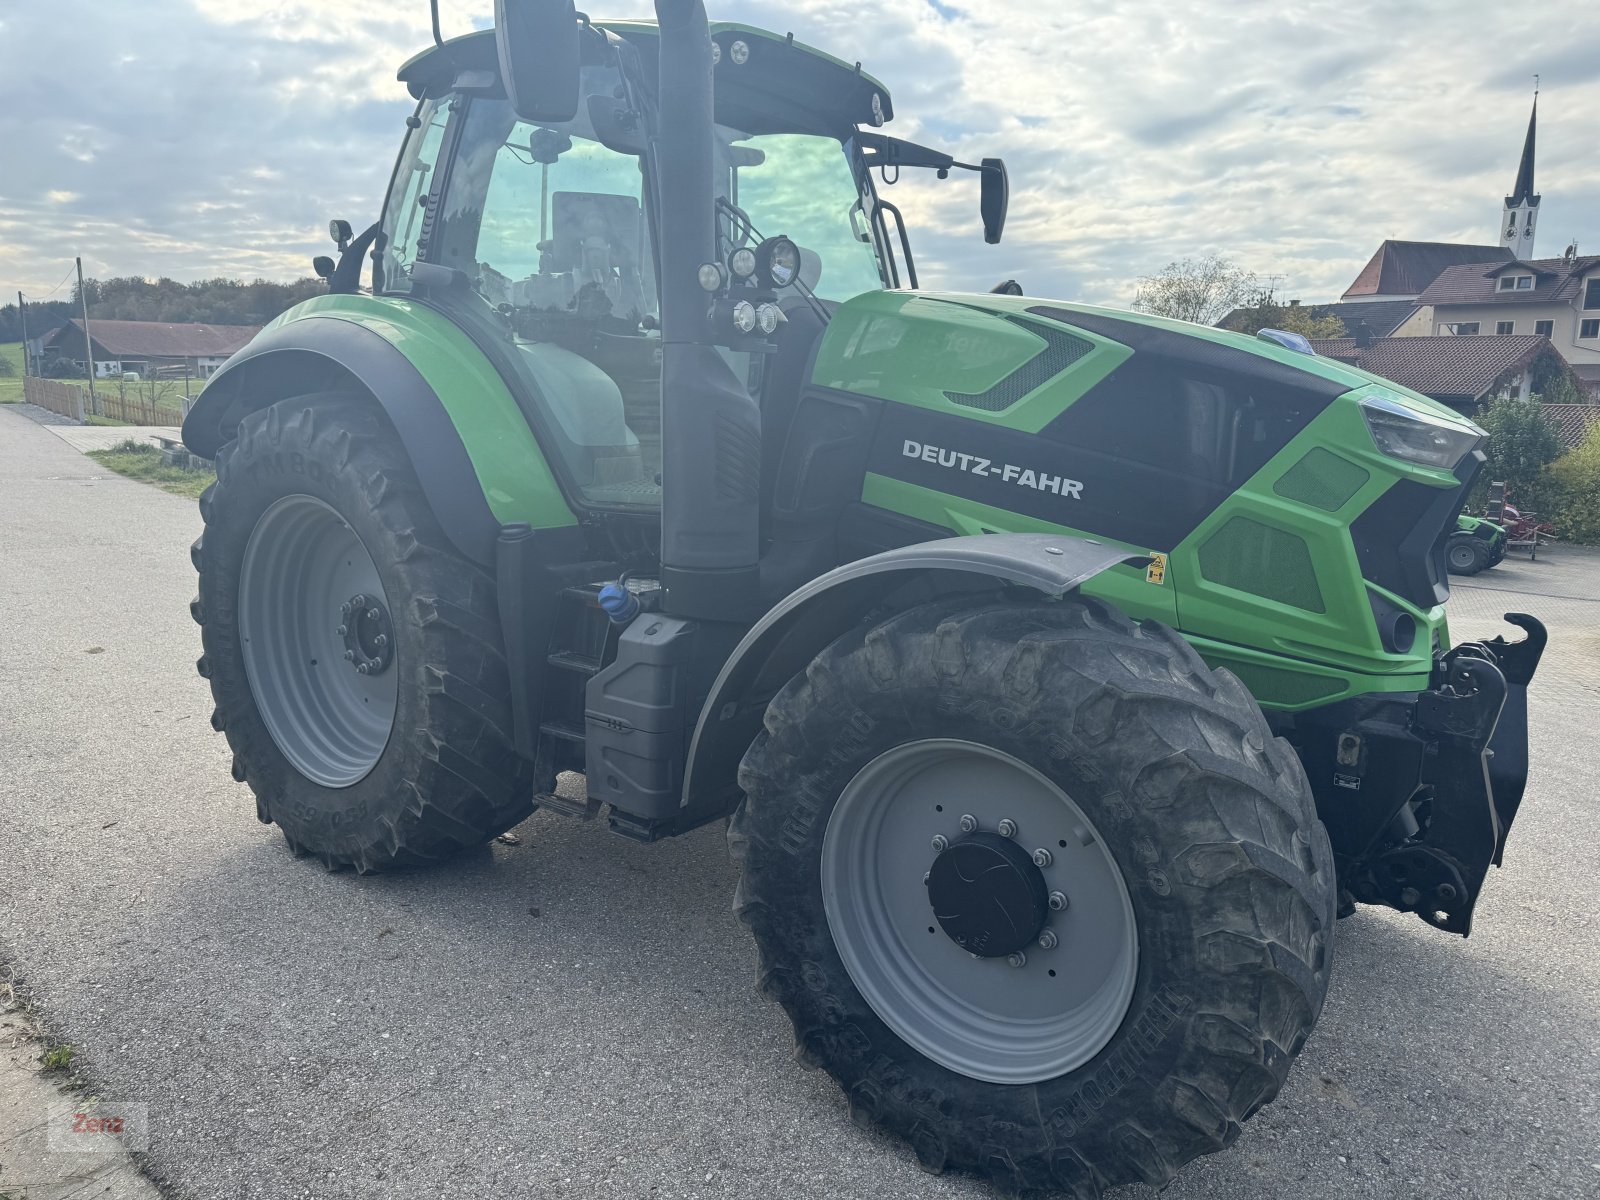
146, 348
1557, 298
1463, 373
1402, 271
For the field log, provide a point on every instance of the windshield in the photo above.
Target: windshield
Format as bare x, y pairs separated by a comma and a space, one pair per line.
804, 187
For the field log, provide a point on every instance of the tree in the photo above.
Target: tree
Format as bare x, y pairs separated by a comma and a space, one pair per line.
1574, 483
1264, 310
1523, 441
1199, 290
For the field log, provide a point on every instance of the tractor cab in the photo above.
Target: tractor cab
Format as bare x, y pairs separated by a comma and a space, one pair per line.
541, 239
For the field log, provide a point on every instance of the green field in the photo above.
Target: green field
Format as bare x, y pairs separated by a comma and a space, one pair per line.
11, 385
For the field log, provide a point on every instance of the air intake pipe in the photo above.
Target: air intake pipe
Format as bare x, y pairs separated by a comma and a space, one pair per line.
710, 425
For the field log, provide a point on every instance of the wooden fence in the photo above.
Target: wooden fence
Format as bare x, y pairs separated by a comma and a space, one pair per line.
70, 400
61, 398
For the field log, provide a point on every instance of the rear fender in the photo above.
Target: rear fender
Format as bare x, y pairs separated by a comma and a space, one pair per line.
477, 461
800, 626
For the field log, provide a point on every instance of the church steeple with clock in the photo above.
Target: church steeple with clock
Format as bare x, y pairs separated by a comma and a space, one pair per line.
1520, 218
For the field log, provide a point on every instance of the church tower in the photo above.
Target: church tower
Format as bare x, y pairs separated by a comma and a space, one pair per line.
1521, 215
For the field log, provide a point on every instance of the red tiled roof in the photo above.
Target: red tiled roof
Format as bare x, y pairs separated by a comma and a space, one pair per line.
1575, 421
158, 339
1555, 281
1406, 268
1439, 366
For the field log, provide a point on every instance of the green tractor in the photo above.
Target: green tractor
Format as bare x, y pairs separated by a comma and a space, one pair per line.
1064, 672
1475, 544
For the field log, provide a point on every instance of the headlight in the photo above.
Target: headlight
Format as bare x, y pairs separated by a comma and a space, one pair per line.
778, 260
742, 263
1411, 435
744, 316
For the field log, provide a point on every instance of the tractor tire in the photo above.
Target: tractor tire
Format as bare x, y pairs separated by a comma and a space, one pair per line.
1185, 949
374, 734
1465, 554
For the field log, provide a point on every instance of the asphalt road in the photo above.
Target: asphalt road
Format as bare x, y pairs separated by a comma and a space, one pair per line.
576, 1015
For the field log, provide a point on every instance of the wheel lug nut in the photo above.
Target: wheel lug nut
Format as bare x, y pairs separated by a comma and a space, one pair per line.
939, 843
349, 656
343, 630
1058, 902
1041, 857
969, 823
1019, 959
372, 614
926, 875
363, 669
1007, 827
380, 641
1047, 940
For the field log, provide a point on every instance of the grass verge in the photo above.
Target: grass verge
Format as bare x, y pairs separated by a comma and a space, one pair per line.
141, 461
11, 385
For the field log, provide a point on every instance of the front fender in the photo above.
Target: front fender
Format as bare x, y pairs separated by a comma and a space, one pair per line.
798, 627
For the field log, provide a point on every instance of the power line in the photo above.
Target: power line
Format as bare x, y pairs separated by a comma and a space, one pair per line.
57, 288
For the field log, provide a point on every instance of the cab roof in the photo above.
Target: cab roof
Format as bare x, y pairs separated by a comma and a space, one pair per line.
783, 86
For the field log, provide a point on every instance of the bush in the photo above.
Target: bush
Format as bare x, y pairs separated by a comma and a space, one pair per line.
1523, 441
1573, 484
7, 367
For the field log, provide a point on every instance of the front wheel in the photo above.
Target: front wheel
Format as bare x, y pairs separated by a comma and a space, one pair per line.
1039, 889
353, 654
1465, 554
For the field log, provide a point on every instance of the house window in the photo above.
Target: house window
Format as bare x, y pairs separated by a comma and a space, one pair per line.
1502, 328
1516, 283
1462, 329
1524, 283
1507, 282
1589, 329
1544, 328
1591, 294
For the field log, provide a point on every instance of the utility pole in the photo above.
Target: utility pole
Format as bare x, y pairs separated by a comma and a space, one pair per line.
88, 342
22, 308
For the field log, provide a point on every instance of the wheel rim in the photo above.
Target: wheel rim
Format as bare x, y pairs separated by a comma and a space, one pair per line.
980, 1016
1462, 556
305, 641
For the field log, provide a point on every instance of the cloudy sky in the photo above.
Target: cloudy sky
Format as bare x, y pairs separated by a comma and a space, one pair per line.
197, 138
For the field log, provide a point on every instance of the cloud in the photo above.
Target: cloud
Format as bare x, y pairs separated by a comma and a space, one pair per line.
219, 138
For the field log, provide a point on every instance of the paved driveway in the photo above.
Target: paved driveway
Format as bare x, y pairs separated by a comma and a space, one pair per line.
576, 1015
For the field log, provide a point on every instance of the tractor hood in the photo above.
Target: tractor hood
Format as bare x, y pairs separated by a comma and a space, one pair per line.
939, 343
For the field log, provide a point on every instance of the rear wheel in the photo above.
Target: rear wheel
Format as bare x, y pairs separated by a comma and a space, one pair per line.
1040, 890
1466, 554
353, 655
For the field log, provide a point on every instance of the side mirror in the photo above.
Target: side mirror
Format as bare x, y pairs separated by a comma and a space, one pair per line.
996, 199
540, 53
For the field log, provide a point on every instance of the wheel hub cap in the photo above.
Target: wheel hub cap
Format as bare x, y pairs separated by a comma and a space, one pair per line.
368, 634
988, 896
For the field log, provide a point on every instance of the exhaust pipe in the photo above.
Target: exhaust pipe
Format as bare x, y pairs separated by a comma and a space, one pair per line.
710, 425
